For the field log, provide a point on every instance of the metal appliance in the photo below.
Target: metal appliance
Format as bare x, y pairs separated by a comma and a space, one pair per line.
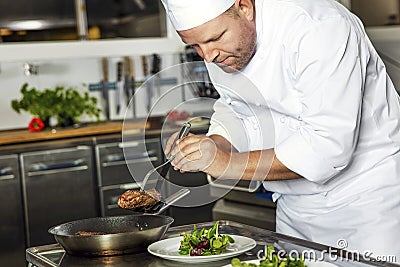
58, 186
114, 177
247, 202
187, 215
12, 232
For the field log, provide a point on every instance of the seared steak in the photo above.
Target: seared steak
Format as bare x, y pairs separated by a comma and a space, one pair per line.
135, 198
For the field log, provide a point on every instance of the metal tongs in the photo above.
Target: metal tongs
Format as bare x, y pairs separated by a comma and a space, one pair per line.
166, 165
161, 205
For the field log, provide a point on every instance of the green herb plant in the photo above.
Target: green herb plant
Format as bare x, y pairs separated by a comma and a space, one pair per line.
41, 104
60, 102
204, 242
271, 260
73, 105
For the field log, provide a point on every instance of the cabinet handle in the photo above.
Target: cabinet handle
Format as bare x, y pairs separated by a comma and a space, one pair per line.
6, 174
128, 144
7, 177
120, 157
131, 161
46, 172
44, 169
238, 188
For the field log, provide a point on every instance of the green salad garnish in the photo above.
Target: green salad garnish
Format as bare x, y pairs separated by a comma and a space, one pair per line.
204, 242
271, 260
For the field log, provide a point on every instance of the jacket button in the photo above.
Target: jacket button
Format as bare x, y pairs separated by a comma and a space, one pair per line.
228, 100
283, 119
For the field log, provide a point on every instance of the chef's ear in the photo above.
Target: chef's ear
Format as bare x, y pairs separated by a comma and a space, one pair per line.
246, 8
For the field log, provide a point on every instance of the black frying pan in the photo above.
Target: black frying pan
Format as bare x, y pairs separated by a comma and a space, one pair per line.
122, 234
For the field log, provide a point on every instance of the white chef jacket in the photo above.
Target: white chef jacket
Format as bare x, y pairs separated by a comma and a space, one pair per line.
317, 87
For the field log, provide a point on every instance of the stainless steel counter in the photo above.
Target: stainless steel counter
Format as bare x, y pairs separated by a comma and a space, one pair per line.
53, 255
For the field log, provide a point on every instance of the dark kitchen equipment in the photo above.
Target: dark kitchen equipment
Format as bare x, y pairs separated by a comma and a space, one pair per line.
114, 177
58, 186
166, 165
124, 234
129, 83
120, 87
161, 205
47, 20
244, 196
104, 87
12, 234
149, 87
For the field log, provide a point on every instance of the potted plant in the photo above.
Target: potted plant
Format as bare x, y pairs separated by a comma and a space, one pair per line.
73, 105
66, 104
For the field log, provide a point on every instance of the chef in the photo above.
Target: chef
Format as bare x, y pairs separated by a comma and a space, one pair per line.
304, 73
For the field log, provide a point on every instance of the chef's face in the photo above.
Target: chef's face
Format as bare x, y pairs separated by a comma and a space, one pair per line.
228, 40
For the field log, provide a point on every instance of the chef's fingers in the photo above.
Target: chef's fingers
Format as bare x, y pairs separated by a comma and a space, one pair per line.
195, 153
182, 145
189, 163
169, 143
195, 162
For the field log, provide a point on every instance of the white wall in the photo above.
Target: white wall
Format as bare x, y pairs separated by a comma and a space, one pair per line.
75, 73
74, 63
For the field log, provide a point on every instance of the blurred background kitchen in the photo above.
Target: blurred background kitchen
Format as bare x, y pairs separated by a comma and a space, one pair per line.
107, 49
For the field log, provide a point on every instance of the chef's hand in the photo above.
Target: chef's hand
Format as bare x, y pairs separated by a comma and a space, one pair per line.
170, 143
199, 153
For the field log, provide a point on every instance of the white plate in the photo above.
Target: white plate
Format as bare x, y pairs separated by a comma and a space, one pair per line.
168, 249
307, 262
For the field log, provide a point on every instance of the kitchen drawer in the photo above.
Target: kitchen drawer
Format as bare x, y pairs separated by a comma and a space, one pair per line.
186, 215
112, 163
12, 231
58, 186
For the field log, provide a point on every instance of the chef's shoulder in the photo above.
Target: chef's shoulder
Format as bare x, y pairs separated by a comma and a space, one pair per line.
296, 17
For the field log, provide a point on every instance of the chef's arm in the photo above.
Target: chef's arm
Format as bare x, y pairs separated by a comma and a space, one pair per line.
255, 165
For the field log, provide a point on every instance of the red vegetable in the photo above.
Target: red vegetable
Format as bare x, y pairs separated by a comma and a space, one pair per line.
35, 125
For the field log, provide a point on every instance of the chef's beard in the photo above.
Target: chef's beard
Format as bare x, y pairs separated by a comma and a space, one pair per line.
243, 54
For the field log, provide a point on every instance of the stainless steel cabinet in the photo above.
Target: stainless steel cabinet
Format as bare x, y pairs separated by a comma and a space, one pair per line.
113, 173
188, 215
12, 233
58, 186
255, 208
58, 20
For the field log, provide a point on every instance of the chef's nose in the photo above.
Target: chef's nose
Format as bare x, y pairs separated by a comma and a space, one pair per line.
209, 53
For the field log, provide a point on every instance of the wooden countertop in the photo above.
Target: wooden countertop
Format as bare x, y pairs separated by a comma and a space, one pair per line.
18, 136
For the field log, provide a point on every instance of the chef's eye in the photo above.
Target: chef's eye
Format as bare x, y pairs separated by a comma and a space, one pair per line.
217, 38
